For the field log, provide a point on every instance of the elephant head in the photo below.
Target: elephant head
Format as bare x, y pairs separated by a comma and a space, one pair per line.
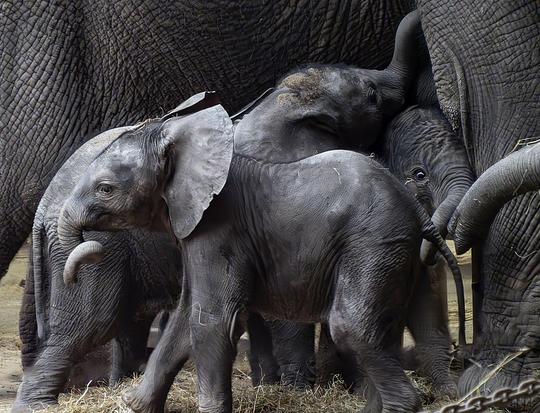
333, 105
514, 175
420, 148
160, 169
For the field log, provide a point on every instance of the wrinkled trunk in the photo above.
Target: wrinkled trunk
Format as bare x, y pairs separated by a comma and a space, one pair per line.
70, 227
514, 175
443, 213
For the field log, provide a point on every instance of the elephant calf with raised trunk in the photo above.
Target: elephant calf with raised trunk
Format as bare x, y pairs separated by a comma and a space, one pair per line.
333, 238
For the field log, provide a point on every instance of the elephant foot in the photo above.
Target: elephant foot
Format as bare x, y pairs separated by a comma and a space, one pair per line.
257, 380
297, 378
140, 401
445, 390
24, 405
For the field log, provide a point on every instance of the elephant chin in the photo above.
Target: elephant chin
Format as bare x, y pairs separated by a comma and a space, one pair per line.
88, 252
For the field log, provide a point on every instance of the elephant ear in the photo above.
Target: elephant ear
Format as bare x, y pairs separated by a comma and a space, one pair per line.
197, 102
199, 148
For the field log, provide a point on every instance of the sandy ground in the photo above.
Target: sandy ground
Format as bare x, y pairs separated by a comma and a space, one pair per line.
271, 399
10, 301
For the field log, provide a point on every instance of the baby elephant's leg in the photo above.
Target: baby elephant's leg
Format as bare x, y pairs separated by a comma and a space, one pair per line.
428, 323
294, 349
366, 323
264, 367
214, 334
165, 362
129, 350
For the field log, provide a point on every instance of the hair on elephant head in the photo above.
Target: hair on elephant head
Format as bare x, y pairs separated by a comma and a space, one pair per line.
420, 148
121, 190
333, 106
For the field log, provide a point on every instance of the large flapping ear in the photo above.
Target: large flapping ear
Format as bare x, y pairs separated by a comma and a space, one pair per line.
195, 103
200, 148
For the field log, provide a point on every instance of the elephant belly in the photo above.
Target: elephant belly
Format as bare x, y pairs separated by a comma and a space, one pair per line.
300, 297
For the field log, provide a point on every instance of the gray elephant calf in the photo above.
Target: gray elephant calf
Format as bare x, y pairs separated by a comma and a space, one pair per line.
117, 299
421, 150
333, 237
141, 275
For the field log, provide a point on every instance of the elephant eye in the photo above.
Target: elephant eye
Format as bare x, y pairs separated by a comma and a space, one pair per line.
419, 174
104, 189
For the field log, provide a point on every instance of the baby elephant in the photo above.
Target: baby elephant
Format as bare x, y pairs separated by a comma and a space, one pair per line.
421, 150
331, 238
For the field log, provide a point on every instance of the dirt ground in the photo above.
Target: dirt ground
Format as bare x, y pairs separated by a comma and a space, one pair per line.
183, 395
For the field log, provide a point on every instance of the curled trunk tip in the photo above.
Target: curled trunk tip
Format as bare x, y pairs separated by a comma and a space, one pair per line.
88, 252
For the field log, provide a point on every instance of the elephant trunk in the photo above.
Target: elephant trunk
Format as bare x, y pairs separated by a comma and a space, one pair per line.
88, 252
405, 57
401, 72
514, 175
453, 195
70, 227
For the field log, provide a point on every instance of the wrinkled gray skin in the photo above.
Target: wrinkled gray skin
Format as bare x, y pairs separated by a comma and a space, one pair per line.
117, 299
421, 150
104, 64
263, 247
485, 62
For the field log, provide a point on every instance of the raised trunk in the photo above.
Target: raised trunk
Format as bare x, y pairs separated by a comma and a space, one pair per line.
404, 59
70, 227
401, 71
514, 175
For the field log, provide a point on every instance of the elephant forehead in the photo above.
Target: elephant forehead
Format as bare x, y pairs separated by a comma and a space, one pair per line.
119, 158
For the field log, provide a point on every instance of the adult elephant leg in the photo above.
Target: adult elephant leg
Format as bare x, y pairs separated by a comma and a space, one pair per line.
129, 349
172, 351
428, 323
264, 368
294, 349
368, 334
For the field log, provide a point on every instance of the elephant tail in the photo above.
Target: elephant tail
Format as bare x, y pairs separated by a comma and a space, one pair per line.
431, 234
31, 316
41, 282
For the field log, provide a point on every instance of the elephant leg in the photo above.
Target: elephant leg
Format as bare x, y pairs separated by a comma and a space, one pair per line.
294, 349
330, 363
43, 382
172, 351
264, 368
129, 350
214, 337
428, 324
367, 326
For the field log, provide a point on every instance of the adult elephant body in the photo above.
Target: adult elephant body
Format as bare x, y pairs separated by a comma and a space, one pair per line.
485, 62
69, 70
